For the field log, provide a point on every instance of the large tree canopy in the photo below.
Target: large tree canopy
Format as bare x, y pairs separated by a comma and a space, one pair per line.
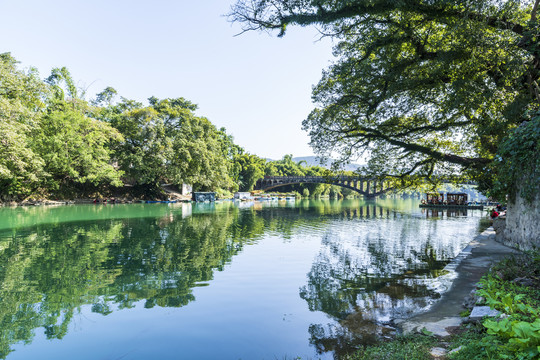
76, 149
55, 143
426, 87
166, 142
22, 103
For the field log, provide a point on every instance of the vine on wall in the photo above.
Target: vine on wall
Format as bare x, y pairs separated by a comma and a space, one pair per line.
518, 162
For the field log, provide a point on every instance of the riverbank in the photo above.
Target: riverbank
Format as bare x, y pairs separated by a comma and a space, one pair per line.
122, 195
492, 280
98, 200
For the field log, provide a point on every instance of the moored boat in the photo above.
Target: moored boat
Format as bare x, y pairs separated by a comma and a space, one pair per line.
452, 201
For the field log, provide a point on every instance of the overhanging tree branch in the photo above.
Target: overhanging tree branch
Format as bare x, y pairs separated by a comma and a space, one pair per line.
373, 134
252, 14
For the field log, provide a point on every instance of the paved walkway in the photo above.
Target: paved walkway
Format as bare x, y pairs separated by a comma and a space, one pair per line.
469, 266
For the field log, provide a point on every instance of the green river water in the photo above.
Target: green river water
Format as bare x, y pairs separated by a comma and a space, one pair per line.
250, 280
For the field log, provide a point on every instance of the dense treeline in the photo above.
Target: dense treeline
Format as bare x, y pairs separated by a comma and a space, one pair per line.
53, 142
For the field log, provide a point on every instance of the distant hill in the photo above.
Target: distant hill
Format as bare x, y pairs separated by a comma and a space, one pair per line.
314, 161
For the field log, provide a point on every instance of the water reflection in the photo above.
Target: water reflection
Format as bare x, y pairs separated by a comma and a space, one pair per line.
439, 213
387, 271
49, 271
375, 261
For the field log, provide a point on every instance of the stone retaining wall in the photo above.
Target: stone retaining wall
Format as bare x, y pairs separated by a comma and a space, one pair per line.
521, 227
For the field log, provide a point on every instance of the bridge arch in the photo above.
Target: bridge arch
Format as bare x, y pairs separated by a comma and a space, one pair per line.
368, 187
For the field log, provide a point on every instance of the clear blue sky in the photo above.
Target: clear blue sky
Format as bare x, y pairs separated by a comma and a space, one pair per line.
255, 85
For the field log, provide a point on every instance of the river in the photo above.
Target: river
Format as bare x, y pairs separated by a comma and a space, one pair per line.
250, 280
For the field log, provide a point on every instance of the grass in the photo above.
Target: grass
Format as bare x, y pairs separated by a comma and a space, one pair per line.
403, 347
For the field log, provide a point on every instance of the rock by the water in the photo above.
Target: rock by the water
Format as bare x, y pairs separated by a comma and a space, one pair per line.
438, 352
479, 312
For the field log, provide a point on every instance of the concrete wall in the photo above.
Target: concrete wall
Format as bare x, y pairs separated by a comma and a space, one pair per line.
186, 189
521, 228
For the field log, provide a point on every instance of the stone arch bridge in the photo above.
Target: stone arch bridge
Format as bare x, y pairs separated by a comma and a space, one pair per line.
369, 187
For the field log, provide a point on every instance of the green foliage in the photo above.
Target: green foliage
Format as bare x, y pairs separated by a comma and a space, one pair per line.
284, 167
52, 141
166, 142
517, 165
62, 77
404, 347
519, 266
287, 167
198, 157
21, 107
105, 97
49, 142
76, 149
503, 293
526, 264
20, 167
474, 345
426, 89
508, 303
521, 338
517, 334
22, 94
249, 168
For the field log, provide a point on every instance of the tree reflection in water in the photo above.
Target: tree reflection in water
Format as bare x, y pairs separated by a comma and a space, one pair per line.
49, 271
113, 261
121, 256
390, 270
